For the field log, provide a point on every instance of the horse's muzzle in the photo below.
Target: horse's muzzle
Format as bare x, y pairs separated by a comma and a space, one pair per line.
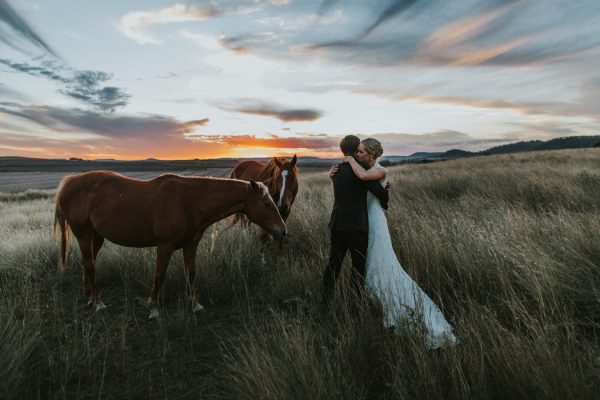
278, 234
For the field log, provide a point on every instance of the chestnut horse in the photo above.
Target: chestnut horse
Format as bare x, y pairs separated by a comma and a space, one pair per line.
169, 212
280, 176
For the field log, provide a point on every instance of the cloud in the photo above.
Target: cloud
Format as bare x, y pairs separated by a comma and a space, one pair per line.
259, 107
405, 144
393, 143
135, 24
8, 93
84, 86
123, 127
582, 104
84, 132
383, 12
508, 33
10, 19
45, 69
396, 7
66, 132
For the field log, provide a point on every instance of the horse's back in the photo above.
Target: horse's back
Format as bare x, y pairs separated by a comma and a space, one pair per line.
246, 170
124, 210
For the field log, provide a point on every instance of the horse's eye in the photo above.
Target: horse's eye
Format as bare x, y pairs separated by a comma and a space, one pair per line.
267, 204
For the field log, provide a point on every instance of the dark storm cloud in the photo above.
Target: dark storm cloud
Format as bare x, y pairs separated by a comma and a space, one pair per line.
259, 107
109, 125
17, 25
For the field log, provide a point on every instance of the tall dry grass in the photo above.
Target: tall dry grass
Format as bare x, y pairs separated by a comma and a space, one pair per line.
507, 246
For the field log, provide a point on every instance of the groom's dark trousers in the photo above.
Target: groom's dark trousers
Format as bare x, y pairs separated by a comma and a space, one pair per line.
349, 226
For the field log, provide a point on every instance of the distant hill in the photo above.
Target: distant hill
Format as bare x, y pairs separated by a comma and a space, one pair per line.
455, 153
518, 147
423, 154
412, 157
569, 142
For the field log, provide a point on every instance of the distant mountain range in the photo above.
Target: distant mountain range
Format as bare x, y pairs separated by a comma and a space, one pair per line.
570, 142
23, 164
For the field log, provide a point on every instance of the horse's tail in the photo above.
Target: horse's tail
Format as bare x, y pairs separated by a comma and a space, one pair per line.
61, 227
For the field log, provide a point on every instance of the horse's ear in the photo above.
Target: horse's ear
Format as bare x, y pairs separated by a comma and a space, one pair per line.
277, 162
254, 186
267, 181
294, 160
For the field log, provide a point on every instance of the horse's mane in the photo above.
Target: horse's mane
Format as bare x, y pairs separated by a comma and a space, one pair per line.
271, 171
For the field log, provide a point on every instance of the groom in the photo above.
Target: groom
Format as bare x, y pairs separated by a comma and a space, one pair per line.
349, 222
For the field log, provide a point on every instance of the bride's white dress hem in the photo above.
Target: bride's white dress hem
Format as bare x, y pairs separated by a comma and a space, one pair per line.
402, 300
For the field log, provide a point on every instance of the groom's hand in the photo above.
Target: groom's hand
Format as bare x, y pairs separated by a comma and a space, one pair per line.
388, 186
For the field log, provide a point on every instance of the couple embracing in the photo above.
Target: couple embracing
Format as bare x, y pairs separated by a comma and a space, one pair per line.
358, 224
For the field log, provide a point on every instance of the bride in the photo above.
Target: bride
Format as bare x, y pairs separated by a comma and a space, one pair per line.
402, 300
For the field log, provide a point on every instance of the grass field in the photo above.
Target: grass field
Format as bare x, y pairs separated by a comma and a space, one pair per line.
508, 247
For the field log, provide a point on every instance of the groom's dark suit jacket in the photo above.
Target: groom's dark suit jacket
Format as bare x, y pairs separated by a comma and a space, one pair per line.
350, 201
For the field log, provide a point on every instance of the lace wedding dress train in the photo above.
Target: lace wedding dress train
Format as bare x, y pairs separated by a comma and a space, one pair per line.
402, 300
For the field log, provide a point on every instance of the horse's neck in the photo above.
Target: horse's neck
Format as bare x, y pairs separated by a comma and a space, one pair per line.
232, 202
269, 172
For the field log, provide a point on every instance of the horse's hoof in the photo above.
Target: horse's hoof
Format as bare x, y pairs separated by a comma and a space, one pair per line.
153, 314
90, 301
100, 308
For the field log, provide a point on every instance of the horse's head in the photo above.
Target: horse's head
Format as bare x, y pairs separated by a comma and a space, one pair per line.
261, 210
287, 185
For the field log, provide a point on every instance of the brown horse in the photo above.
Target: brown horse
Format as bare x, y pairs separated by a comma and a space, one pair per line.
280, 176
170, 212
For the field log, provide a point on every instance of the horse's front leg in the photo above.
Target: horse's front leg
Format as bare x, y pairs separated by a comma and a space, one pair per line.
189, 260
163, 256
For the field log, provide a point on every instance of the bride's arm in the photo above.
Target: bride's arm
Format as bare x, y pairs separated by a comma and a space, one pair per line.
373, 174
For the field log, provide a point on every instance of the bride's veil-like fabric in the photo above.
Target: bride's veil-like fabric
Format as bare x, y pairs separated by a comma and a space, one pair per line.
402, 300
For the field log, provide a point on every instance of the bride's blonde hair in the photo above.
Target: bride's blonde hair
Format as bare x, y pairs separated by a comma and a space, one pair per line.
373, 147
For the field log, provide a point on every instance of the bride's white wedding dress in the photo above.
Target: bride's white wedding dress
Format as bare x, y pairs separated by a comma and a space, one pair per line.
402, 300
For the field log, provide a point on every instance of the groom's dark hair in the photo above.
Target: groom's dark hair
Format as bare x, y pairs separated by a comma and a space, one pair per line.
349, 144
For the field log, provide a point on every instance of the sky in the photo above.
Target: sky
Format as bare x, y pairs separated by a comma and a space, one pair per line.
258, 78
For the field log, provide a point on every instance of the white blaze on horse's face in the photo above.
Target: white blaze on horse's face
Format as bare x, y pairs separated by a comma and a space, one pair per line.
283, 179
